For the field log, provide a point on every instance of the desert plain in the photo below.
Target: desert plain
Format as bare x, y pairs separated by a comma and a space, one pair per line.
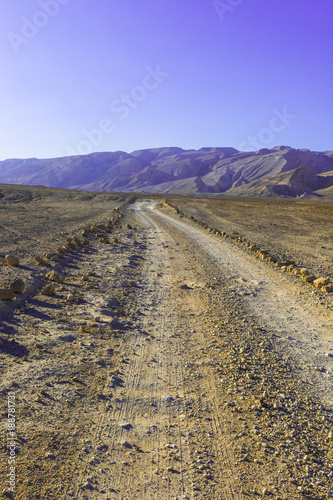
165, 347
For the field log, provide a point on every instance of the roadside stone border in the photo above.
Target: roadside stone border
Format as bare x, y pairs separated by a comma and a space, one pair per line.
321, 283
98, 231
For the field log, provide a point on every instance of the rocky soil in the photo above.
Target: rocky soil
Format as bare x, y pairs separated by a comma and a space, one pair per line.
165, 360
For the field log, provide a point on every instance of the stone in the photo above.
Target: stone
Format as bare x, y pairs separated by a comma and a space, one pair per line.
128, 226
308, 279
40, 261
126, 444
87, 486
76, 241
17, 285
285, 263
48, 290
327, 289
12, 261
57, 277
305, 272
319, 282
127, 426
6, 294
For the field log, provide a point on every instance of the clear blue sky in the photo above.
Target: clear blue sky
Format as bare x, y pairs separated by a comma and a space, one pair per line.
106, 75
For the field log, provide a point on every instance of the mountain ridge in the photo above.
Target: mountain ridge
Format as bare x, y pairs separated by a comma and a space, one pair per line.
277, 172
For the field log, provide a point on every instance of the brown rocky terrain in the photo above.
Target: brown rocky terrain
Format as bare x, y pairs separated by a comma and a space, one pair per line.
169, 359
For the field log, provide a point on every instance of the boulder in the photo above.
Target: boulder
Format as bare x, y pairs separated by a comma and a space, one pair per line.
57, 277
12, 261
40, 261
48, 290
327, 289
305, 272
285, 263
6, 294
76, 241
308, 279
17, 286
320, 282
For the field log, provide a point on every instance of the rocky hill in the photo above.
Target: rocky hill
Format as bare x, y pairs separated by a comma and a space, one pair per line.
278, 172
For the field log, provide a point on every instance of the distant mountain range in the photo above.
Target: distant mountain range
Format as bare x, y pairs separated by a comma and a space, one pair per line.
278, 172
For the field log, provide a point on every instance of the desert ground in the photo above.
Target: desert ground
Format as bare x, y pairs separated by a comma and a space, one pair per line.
168, 361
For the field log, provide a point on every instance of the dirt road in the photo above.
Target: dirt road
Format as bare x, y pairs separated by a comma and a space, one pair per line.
183, 368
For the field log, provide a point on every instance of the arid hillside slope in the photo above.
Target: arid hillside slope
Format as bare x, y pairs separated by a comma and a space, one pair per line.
278, 172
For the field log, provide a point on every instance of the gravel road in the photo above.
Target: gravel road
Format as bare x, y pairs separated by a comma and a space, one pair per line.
169, 364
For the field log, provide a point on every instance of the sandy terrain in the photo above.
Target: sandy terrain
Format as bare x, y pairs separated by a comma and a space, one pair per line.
170, 363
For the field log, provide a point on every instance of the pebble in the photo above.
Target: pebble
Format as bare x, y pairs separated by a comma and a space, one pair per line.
126, 444
12, 261
17, 285
48, 290
54, 276
40, 261
6, 294
126, 426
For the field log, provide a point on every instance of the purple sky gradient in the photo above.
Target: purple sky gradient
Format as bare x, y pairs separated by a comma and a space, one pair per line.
226, 79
